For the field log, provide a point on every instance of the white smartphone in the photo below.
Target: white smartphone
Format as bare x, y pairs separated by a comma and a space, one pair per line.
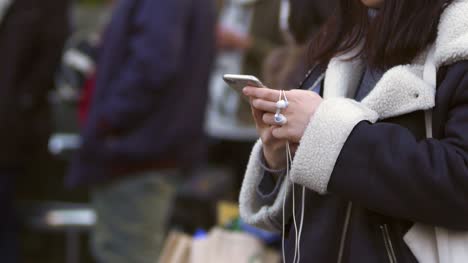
238, 82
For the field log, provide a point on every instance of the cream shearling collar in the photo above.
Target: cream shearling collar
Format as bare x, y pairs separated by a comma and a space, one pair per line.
402, 89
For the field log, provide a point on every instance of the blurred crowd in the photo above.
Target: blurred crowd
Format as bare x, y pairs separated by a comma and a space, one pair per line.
135, 113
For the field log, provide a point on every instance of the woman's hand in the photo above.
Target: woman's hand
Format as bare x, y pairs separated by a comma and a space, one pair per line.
302, 106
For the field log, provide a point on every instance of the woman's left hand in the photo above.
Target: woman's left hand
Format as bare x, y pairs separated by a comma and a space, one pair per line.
302, 106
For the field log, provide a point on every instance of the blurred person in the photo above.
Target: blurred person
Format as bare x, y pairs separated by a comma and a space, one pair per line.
286, 66
145, 123
359, 145
248, 30
251, 28
32, 35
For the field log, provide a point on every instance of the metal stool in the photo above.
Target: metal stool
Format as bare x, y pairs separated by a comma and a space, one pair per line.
68, 218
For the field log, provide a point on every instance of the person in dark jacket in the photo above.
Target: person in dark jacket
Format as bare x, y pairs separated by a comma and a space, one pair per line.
32, 35
363, 171
145, 122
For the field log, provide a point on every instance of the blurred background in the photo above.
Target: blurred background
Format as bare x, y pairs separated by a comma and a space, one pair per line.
117, 108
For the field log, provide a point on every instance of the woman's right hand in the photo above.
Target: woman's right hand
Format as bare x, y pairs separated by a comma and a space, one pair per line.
274, 150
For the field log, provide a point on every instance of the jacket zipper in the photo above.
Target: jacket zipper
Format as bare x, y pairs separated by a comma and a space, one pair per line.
388, 244
345, 231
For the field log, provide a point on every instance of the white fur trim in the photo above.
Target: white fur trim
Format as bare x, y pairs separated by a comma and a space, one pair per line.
323, 140
394, 95
343, 76
452, 39
252, 210
401, 90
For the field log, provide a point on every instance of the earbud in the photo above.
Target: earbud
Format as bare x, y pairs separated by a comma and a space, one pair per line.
280, 119
282, 104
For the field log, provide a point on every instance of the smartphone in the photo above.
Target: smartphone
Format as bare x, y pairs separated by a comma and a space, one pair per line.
238, 82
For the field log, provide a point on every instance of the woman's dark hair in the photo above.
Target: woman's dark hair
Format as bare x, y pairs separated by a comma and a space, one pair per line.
307, 16
394, 36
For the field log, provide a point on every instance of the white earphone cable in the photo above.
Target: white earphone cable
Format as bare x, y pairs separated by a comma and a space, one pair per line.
284, 205
301, 224
288, 168
298, 231
283, 230
293, 208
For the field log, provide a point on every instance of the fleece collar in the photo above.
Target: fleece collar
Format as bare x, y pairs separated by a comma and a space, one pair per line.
402, 89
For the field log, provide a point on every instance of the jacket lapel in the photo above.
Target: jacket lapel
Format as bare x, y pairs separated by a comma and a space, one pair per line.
401, 90
342, 76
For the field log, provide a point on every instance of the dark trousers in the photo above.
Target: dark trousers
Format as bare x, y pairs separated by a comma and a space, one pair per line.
8, 218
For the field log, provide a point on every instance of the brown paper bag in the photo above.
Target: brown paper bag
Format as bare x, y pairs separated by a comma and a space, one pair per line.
230, 247
176, 248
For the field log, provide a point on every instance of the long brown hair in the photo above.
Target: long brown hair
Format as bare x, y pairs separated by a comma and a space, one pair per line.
396, 34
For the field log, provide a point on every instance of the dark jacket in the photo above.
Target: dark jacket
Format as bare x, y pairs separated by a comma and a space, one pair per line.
32, 35
390, 182
151, 89
367, 167
386, 196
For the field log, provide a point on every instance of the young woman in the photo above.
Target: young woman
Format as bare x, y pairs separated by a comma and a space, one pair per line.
359, 143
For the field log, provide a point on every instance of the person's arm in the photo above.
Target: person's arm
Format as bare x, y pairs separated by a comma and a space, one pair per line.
384, 168
261, 197
270, 182
155, 53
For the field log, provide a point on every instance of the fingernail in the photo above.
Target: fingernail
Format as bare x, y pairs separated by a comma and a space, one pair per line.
254, 103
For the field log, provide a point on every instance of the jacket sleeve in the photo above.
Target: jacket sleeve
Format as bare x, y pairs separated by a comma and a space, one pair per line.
155, 53
257, 208
384, 168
